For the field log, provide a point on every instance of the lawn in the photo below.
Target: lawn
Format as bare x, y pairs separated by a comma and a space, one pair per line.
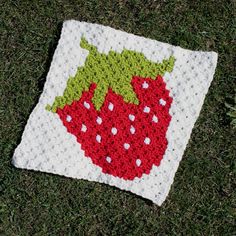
202, 199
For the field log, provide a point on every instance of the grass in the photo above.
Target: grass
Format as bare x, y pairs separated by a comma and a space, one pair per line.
232, 111
202, 199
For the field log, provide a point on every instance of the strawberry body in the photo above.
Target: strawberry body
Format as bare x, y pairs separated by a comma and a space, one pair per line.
124, 139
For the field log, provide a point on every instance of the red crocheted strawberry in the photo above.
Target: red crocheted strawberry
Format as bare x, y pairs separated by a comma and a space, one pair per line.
117, 106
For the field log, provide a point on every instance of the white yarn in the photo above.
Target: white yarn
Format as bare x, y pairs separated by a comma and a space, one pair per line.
47, 146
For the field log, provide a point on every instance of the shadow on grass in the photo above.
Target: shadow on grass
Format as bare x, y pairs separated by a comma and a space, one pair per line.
51, 50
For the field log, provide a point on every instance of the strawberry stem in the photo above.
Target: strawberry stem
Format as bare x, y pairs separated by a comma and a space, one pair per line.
114, 71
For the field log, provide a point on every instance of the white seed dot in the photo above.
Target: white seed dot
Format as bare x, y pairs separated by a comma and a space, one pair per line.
146, 109
162, 102
131, 117
99, 120
114, 130
68, 118
145, 85
126, 146
155, 119
86, 105
108, 159
147, 140
110, 106
98, 138
83, 128
132, 129
138, 162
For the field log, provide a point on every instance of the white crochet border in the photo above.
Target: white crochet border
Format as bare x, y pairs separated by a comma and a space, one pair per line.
47, 146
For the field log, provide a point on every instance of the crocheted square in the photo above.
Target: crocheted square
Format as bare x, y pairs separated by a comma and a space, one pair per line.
117, 109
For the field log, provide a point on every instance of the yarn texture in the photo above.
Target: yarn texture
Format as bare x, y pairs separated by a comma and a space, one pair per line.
117, 109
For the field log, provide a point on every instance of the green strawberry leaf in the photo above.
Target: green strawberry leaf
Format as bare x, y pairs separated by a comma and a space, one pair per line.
114, 71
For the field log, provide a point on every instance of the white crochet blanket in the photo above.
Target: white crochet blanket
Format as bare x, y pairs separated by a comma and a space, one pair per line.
133, 141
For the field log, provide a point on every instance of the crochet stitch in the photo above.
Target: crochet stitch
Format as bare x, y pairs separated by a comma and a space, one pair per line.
117, 109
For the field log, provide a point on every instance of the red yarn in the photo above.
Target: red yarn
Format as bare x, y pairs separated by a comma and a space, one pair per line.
151, 120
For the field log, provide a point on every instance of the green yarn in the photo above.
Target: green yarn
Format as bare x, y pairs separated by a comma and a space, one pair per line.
114, 71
